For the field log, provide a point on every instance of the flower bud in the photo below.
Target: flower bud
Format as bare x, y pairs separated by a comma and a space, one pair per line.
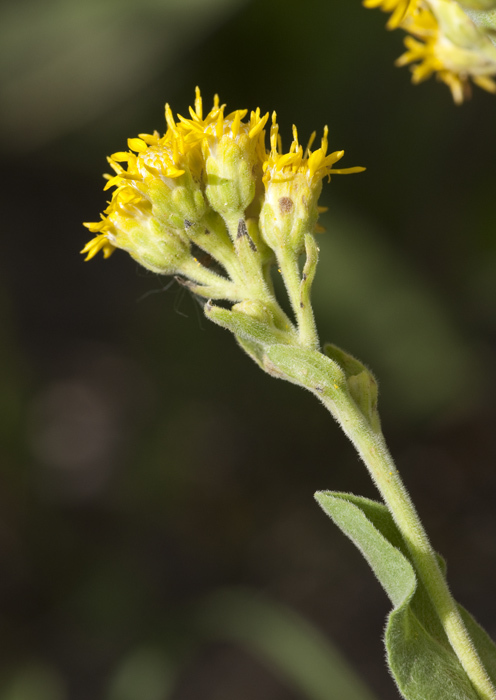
289, 212
167, 172
293, 183
157, 198
233, 151
133, 228
229, 176
255, 309
180, 205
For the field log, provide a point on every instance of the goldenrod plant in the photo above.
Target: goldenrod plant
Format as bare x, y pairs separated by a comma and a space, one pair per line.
212, 204
453, 40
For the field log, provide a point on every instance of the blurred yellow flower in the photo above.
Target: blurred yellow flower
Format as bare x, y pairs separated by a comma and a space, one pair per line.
454, 62
398, 8
444, 42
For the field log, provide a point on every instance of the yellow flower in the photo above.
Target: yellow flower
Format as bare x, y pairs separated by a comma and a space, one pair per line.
398, 8
444, 42
233, 151
293, 182
129, 224
313, 166
454, 60
216, 127
157, 191
206, 181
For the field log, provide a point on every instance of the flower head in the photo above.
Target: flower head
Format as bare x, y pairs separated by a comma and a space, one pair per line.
129, 223
293, 182
157, 191
455, 57
232, 151
444, 41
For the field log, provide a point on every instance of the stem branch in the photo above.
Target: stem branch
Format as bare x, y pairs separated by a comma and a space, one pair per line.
300, 301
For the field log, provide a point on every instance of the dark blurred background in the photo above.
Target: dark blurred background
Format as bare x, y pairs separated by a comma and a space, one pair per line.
146, 463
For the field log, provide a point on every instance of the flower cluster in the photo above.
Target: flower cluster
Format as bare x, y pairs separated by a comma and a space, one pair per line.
443, 41
208, 203
203, 185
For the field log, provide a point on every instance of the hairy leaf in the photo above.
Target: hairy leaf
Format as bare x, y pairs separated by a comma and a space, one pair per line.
419, 654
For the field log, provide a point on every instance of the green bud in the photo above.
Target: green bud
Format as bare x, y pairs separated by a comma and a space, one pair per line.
230, 175
255, 309
149, 242
178, 202
289, 212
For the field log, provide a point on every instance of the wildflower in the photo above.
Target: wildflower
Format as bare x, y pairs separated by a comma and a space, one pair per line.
209, 183
232, 151
444, 41
456, 56
154, 195
130, 225
293, 183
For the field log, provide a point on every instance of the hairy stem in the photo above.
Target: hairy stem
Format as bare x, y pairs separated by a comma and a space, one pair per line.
252, 276
373, 451
299, 298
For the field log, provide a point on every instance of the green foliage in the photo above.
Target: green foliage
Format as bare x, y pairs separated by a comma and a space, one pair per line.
419, 654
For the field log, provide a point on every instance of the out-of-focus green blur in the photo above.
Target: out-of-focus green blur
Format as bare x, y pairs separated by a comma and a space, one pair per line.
146, 463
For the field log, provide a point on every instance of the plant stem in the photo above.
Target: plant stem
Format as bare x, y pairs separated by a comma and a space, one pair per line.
288, 264
373, 451
251, 275
209, 283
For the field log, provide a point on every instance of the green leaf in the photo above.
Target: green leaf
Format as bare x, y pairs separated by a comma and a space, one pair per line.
245, 326
307, 368
419, 654
254, 350
361, 382
485, 646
